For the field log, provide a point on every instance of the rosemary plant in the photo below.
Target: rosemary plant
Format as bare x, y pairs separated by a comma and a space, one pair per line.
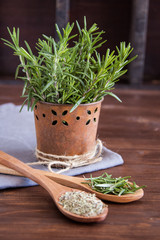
61, 73
108, 185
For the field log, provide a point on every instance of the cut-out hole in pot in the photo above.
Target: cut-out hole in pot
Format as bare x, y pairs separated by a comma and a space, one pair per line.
54, 112
94, 119
37, 117
54, 122
65, 123
65, 112
43, 115
88, 122
77, 117
35, 106
89, 112
96, 110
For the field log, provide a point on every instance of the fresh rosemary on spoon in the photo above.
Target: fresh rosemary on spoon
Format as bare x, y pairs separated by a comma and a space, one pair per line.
108, 185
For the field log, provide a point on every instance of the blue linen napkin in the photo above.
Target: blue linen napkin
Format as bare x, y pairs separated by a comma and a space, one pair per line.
18, 138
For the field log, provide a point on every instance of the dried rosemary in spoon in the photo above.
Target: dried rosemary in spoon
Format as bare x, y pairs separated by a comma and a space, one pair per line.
82, 203
107, 185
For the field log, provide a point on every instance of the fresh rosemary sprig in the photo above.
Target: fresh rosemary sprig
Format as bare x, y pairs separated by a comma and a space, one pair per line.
108, 185
67, 73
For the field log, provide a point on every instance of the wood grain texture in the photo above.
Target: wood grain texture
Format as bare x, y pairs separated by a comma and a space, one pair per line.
132, 129
62, 13
113, 16
139, 22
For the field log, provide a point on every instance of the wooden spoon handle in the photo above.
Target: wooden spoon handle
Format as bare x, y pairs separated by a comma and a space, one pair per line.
74, 182
25, 170
6, 170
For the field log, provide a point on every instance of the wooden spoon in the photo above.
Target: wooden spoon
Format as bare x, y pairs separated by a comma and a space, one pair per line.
76, 182
54, 189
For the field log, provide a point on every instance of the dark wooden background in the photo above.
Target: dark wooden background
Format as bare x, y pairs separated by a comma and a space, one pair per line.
113, 16
131, 129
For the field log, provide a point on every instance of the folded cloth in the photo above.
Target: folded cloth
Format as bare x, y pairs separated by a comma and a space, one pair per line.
18, 138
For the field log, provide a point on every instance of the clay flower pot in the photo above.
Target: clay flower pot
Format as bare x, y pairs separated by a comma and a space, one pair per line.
62, 133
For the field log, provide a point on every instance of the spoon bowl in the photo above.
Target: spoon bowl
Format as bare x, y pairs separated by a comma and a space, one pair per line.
130, 197
54, 189
75, 217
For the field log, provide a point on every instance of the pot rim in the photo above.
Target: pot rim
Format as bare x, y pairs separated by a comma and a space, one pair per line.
59, 104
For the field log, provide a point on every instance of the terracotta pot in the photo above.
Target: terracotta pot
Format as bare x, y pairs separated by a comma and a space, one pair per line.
60, 132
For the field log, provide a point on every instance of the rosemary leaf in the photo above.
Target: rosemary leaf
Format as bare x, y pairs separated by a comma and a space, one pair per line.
107, 185
69, 71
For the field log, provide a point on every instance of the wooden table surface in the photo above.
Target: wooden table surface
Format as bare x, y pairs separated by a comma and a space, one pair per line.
132, 129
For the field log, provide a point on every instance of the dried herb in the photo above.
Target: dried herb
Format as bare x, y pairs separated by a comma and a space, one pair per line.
108, 185
81, 203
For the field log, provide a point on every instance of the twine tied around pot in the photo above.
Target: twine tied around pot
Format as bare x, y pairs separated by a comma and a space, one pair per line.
68, 162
